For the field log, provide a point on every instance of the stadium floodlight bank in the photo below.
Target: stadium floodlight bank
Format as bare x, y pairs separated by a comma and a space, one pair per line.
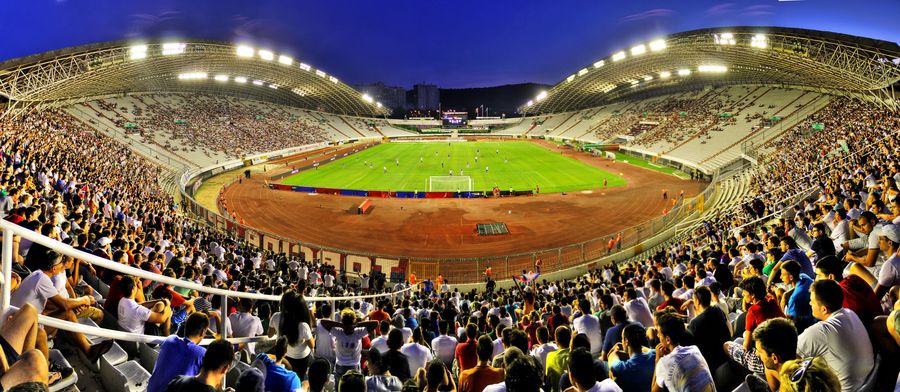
450, 184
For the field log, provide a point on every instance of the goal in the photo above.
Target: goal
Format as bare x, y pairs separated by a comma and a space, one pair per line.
450, 184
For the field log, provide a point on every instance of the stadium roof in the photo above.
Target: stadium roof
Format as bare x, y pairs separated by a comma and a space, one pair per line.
831, 62
85, 72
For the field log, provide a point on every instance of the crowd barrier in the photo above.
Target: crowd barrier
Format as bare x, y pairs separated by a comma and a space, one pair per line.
393, 194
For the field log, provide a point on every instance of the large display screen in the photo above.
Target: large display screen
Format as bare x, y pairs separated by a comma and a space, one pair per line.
454, 119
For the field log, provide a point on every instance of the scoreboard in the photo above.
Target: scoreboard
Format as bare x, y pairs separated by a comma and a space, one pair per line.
454, 119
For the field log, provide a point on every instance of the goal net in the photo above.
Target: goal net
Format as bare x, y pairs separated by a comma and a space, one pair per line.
450, 184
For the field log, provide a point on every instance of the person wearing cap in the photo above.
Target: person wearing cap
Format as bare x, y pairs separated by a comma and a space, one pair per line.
889, 276
867, 262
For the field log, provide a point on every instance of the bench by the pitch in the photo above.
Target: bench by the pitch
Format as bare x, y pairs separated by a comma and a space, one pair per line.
364, 207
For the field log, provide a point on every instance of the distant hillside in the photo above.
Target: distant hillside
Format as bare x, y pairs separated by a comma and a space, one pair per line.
499, 99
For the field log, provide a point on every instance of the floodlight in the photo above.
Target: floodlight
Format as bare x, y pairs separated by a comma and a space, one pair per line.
582, 72
541, 96
305, 67
273, 86
368, 98
258, 82
684, 72
137, 52
192, 75
221, 78
609, 88
759, 41
724, 39
530, 103
173, 48
570, 78
332, 79
240, 79
320, 73
245, 51
378, 104
299, 92
638, 50
665, 74
634, 82
657, 45
647, 78
266, 55
599, 64
285, 60
712, 68
618, 56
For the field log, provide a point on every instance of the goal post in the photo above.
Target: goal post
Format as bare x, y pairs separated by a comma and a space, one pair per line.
450, 184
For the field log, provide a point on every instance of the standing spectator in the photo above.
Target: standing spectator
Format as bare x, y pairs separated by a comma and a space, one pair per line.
679, 368
482, 374
417, 351
244, 324
378, 380
293, 322
839, 337
444, 346
380, 342
589, 325
180, 356
583, 376
324, 340
278, 379
558, 361
395, 361
466, 352
348, 335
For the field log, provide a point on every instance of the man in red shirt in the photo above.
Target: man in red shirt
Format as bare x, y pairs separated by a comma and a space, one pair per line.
760, 307
667, 289
858, 295
379, 314
467, 352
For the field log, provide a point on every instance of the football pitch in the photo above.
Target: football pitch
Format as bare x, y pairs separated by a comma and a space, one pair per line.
409, 166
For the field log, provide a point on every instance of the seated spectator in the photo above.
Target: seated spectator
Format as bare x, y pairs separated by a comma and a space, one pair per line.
589, 324
543, 347
839, 337
631, 363
582, 374
482, 374
278, 379
858, 295
668, 290
251, 380
776, 343
180, 356
133, 316
320, 377
710, 328
795, 300
22, 358
614, 335
378, 379
38, 290
680, 368
216, 362
889, 276
808, 375
760, 307
352, 381
558, 361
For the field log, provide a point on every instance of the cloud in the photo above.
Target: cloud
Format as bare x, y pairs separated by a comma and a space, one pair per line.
149, 24
731, 9
654, 13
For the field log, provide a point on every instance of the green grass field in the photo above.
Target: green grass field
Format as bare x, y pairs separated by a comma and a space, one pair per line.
518, 165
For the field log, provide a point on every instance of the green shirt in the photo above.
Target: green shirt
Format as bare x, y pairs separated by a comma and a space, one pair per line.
557, 363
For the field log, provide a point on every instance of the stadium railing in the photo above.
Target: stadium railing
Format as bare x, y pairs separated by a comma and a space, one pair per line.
10, 229
464, 273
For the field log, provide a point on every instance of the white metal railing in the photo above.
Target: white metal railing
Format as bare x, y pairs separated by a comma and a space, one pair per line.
9, 229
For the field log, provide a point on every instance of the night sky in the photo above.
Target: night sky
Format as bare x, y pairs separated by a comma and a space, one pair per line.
463, 43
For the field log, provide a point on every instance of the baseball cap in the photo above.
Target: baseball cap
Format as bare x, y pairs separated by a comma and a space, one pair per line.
103, 241
891, 231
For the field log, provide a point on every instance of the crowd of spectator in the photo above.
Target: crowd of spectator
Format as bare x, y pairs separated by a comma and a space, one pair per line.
774, 295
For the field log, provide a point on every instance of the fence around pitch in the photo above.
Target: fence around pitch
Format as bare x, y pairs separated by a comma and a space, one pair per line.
456, 270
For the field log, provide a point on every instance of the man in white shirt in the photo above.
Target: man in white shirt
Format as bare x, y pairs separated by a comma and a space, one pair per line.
417, 355
244, 324
328, 280
380, 342
638, 309
444, 346
38, 290
543, 347
348, 336
840, 231
678, 368
589, 325
839, 337
133, 315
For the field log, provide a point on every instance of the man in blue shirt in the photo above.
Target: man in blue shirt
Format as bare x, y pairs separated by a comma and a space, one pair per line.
631, 363
796, 302
278, 378
614, 335
180, 356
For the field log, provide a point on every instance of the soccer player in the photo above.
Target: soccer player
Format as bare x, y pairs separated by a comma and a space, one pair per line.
485, 169
385, 169
451, 172
604, 183
460, 171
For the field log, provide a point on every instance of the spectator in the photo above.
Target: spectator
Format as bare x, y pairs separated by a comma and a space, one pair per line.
417, 352
614, 334
277, 378
180, 356
558, 361
482, 374
839, 337
348, 335
444, 346
796, 300
582, 375
808, 375
396, 362
320, 377
760, 307
133, 316
216, 362
293, 322
858, 295
709, 327
631, 363
680, 368
378, 379
637, 309
244, 324
466, 352
776, 343
543, 347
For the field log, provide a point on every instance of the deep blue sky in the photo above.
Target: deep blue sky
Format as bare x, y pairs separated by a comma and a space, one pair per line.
463, 43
